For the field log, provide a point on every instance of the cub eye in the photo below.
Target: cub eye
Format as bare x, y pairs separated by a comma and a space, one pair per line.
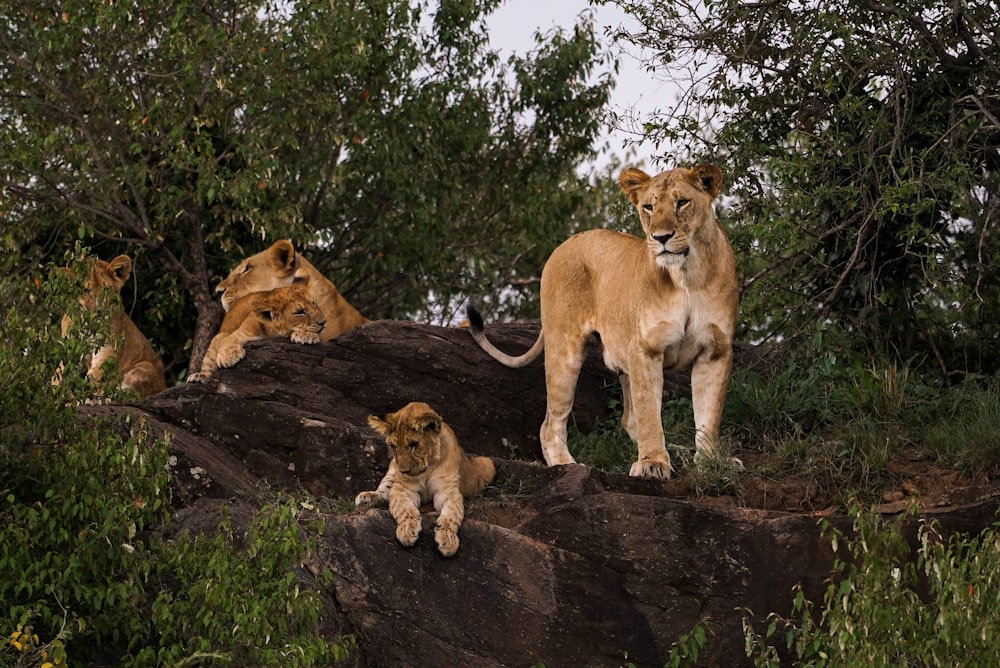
681, 203
647, 207
413, 445
300, 312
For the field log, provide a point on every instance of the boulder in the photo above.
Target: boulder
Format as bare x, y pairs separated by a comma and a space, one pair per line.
565, 566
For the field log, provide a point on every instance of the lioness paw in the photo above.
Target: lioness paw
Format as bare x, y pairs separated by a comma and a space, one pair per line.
230, 355
305, 337
646, 468
407, 531
447, 541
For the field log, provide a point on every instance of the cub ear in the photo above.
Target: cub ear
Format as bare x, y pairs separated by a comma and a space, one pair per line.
265, 309
282, 257
301, 280
429, 423
632, 182
379, 425
121, 268
708, 178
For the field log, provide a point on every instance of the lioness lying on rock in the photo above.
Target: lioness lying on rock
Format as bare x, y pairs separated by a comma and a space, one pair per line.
427, 465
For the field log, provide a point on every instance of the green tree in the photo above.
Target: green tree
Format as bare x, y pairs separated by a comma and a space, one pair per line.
860, 142
403, 155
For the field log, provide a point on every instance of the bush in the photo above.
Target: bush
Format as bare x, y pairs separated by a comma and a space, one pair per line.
884, 607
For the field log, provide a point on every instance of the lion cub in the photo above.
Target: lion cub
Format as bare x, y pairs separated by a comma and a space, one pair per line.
286, 311
140, 367
427, 465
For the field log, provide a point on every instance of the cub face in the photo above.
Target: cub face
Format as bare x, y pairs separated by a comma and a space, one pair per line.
673, 207
267, 270
413, 435
103, 286
290, 311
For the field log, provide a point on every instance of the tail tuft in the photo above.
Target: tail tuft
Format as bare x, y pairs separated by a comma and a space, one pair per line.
475, 318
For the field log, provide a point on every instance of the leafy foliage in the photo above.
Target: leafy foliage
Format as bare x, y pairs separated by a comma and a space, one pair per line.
885, 606
79, 499
384, 137
860, 145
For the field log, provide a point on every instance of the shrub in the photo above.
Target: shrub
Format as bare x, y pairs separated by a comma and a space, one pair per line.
884, 606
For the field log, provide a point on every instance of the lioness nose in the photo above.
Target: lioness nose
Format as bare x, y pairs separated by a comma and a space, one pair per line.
663, 238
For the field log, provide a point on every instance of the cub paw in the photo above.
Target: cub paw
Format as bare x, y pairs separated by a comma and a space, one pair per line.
305, 337
447, 541
648, 468
198, 377
229, 355
407, 531
367, 498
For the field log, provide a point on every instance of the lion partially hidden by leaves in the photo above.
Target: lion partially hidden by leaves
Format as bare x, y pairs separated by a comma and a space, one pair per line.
140, 367
281, 265
427, 465
287, 311
660, 303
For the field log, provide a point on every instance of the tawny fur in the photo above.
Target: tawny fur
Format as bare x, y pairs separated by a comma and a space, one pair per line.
140, 367
281, 265
660, 303
427, 465
287, 311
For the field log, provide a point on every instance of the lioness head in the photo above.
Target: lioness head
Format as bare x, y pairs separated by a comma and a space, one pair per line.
674, 207
413, 434
289, 311
267, 270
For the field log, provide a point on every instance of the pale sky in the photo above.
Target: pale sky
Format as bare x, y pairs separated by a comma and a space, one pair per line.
511, 28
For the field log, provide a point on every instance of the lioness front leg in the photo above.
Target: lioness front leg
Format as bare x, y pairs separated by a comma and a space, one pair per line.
404, 506
646, 389
449, 521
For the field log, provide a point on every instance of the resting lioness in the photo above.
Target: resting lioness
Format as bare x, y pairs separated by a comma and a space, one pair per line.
663, 302
286, 311
281, 265
140, 367
427, 465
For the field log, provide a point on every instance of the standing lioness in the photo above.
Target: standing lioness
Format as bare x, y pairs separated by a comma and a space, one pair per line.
664, 302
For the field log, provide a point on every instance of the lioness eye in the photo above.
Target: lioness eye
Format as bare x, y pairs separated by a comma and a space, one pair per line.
247, 268
681, 203
647, 207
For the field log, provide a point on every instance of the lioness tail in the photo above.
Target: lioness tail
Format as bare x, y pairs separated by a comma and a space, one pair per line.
476, 329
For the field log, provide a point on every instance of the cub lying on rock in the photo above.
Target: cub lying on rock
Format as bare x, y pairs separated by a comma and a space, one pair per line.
286, 311
427, 465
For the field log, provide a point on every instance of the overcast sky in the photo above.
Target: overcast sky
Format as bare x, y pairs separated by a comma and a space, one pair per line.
511, 28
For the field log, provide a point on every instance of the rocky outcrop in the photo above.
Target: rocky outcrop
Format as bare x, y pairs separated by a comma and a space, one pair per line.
565, 566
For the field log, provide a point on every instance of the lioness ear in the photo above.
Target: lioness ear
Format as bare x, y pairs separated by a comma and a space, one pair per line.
379, 425
708, 178
121, 268
283, 258
632, 182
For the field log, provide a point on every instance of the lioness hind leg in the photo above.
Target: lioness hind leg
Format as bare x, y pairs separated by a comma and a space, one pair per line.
405, 509
564, 356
